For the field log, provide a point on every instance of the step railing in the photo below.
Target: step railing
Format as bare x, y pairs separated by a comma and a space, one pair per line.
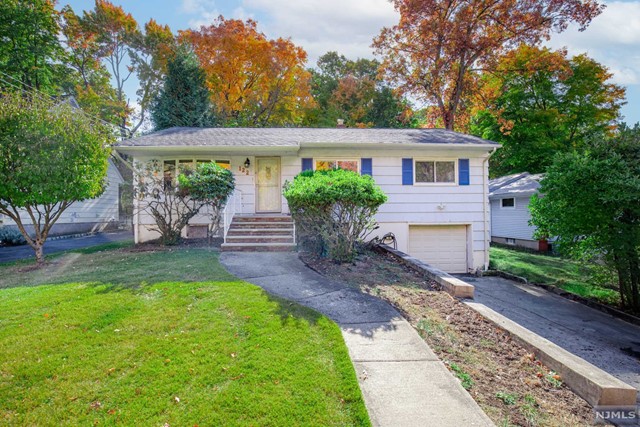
231, 209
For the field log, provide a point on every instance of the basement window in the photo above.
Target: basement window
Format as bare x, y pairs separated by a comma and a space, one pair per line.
509, 203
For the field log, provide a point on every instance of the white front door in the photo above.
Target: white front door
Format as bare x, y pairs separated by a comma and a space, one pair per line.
268, 191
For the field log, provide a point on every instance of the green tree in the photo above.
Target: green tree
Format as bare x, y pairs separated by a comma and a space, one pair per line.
539, 102
184, 98
50, 157
30, 49
352, 91
333, 209
591, 203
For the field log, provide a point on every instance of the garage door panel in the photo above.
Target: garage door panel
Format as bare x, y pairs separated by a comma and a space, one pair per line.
444, 247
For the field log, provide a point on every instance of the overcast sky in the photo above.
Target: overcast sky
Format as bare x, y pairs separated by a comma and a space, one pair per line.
348, 27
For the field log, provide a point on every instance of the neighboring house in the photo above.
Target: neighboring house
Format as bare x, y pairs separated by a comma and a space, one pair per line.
436, 180
91, 215
510, 216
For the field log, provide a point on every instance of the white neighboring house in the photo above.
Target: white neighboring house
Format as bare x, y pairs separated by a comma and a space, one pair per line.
510, 216
436, 180
92, 215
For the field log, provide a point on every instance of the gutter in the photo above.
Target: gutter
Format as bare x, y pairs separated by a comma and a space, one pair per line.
485, 200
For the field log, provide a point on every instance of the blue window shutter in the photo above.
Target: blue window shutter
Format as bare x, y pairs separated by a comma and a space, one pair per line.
366, 167
407, 171
463, 172
307, 164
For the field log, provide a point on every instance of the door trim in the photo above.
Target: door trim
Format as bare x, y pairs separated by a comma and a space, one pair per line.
257, 188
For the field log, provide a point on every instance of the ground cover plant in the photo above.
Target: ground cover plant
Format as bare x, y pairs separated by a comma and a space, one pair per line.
509, 384
566, 274
165, 336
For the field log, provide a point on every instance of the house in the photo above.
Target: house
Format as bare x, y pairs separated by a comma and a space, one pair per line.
92, 215
509, 196
436, 180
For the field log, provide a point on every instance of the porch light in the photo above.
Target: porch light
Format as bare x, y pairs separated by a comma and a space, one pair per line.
247, 163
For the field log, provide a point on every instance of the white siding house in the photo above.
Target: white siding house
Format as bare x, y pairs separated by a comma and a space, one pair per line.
87, 216
510, 216
436, 180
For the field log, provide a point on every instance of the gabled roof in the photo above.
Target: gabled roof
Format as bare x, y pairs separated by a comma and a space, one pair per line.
517, 185
296, 137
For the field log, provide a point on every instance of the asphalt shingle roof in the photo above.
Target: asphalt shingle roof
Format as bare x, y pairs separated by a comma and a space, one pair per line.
294, 137
520, 184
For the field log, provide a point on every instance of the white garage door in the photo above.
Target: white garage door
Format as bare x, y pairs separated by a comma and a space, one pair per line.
442, 246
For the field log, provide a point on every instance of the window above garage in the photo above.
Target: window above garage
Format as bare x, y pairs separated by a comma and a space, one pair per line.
435, 171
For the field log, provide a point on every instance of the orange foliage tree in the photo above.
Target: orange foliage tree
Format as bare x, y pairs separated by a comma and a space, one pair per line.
438, 44
253, 81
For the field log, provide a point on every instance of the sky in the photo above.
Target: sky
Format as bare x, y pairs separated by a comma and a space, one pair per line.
349, 26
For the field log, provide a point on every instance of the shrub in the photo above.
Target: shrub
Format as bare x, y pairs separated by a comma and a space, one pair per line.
173, 202
11, 237
333, 210
211, 184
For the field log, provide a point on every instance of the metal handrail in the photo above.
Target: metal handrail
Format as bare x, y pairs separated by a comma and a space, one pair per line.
231, 209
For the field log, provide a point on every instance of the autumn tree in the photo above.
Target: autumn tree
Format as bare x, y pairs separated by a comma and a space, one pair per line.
352, 91
30, 52
540, 102
127, 50
184, 99
50, 157
253, 81
437, 47
89, 80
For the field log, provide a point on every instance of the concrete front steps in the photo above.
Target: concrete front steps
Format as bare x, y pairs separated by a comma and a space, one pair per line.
260, 233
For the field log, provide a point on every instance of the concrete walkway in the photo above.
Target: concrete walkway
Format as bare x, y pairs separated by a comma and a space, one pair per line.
15, 253
609, 343
402, 380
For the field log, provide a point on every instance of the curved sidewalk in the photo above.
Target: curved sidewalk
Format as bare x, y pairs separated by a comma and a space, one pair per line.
403, 382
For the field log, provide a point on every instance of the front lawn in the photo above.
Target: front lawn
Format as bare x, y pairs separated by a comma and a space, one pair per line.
560, 272
164, 338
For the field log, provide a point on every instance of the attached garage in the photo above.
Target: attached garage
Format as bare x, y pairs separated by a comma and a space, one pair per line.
442, 246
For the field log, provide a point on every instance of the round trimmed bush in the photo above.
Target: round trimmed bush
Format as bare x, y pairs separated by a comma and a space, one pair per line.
333, 210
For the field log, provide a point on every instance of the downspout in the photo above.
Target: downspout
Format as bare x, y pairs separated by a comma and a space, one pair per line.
485, 210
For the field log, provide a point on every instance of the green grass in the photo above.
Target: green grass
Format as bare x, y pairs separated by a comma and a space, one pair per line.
556, 271
124, 338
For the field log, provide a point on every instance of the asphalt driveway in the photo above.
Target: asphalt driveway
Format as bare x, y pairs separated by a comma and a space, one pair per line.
15, 253
605, 341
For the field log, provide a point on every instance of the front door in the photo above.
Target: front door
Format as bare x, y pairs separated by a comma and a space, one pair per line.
268, 191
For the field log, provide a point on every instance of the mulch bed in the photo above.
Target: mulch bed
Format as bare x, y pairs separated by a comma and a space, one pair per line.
510, 385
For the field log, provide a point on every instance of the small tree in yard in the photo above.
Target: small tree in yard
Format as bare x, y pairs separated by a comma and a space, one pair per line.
334, 209
591, 202
173, 202
212, 185
50, 157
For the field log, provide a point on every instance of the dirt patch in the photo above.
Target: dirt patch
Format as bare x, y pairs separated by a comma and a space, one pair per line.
185, 243
510, 385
